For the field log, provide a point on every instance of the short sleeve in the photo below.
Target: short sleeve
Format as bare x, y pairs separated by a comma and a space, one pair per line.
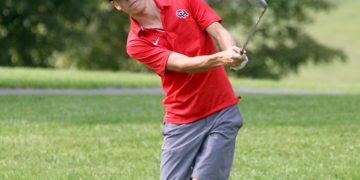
203, 14
152, 56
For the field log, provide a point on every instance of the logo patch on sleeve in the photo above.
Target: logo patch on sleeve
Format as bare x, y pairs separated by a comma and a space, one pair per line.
181, 13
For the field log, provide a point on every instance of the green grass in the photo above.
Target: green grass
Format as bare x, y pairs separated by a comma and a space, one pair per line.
119, 137
50, 78
47, 78
305, 85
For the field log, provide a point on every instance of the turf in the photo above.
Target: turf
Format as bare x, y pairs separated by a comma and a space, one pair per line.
63, 79
57, 78
119, 137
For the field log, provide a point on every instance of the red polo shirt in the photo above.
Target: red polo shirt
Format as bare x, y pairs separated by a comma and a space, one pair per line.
188, 97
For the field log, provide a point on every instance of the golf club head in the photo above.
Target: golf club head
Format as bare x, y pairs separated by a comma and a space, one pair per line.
258, 3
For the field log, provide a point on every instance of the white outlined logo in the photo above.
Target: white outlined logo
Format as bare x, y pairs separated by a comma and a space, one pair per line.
182, 13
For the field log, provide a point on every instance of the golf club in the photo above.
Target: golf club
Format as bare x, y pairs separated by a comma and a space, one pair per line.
260, 4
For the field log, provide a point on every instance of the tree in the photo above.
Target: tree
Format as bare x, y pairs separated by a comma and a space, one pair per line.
85, 34
280, 44
90, 34
31, 31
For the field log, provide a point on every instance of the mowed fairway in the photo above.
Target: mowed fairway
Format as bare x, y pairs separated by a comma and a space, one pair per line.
119, 137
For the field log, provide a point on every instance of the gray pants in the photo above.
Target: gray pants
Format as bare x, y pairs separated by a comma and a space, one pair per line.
203, 149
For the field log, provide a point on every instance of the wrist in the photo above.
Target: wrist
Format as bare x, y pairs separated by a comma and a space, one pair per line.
240, 66
216, 58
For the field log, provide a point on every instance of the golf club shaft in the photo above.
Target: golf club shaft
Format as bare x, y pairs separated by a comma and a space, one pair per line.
252, 32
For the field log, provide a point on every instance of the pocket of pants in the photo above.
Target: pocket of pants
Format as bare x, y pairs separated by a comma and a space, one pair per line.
173, 129
168, 128
163, 130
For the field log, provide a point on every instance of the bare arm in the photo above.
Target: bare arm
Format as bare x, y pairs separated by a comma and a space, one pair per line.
181, 63
230, 54
222, 36
226, 41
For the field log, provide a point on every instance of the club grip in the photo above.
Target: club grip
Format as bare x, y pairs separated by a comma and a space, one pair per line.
242, 51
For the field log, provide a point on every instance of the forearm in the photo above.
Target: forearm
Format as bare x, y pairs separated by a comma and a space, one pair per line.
181, 63
225, 39
221, 35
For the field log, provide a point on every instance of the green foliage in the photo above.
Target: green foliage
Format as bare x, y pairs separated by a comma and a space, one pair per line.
92, 35
61, 33
280, 44
31, 31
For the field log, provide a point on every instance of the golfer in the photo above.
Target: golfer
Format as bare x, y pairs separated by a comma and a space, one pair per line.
202, 119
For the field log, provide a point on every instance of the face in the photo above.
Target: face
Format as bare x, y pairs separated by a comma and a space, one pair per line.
131, 7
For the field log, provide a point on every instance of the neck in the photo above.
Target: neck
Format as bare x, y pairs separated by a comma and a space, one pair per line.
150, 17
